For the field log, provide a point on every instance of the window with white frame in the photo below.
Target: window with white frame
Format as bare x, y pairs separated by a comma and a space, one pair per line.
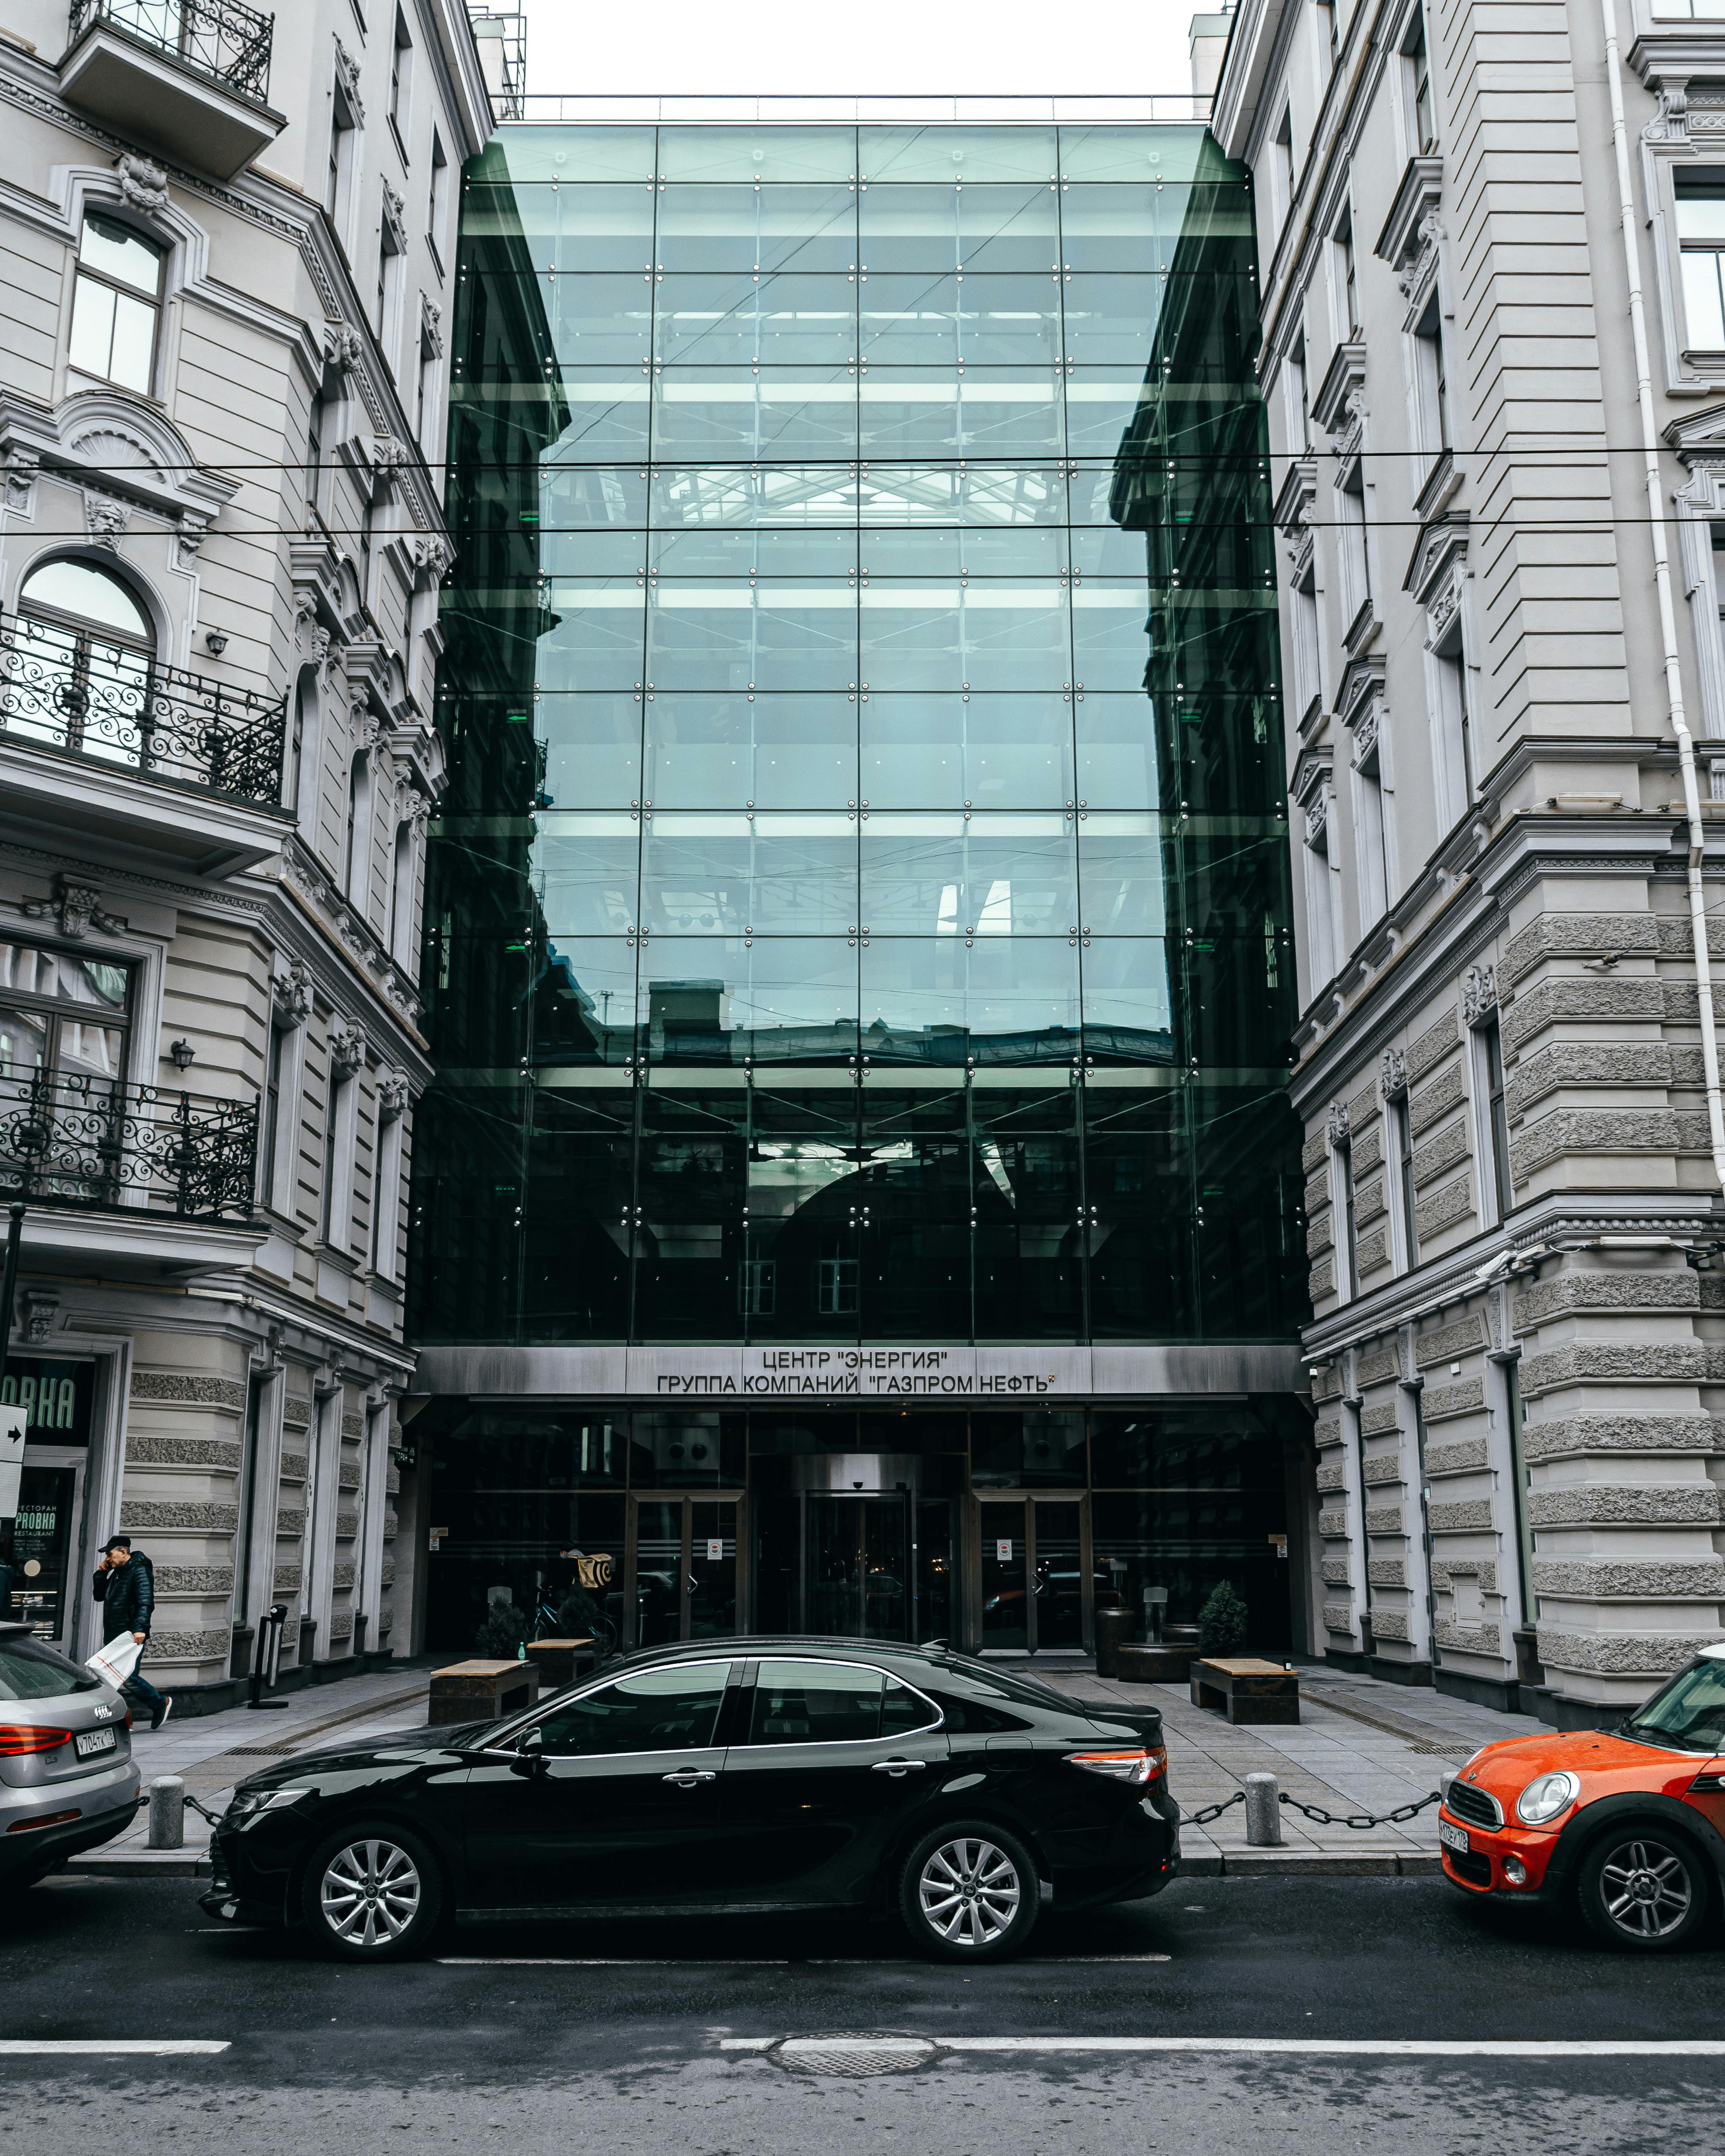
1323, 937
1281, 171
1353, 551
1700, 243
1298, 387
338, 179
1344, 1211
1452, 725
400, 64
1327, 42
438, 217
1371, 836
1401, 1135
1303, 640
1431, 385
1421, 115
1344, 280
116, 303
1492, 1123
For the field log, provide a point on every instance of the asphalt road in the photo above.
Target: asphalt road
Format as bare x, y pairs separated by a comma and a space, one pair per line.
622, 2047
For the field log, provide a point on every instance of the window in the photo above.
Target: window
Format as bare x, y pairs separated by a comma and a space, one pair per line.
117, 305
1347, 283
401, 896
338, 186
1328, 38
1298, 395
63, 1019
1454, 726
1497, 1191
86, 647
1371, 831
1401, 1128
1431, 386
355, 850
401, 61
1281, 171
1422, 132
314, 462
1322, 928
1346, 1231
833, 1703
272, 1110
673, 1710
758, 1292
1356, 555
438, 217
1701, 240
336, 1107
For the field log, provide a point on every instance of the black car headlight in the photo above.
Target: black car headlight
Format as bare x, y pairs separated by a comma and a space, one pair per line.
251, 1804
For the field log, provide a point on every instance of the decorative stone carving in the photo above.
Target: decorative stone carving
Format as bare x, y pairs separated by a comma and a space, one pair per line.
40, 1305
77, 908
347, 1047
21, 466
142, 184
431, 327
1479, 993
348, 68
1392, 1073
190, 536
1338, 1123
431, 554
342, 345
395, 216
391, 1095
104, 518
389, 453
293, 994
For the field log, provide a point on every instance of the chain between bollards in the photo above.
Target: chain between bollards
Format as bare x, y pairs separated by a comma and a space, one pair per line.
1314, 1812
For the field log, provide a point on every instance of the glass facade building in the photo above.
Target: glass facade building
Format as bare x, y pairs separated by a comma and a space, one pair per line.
859, 1191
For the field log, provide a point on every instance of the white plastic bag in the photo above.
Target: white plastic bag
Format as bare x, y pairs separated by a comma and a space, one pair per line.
114, 1663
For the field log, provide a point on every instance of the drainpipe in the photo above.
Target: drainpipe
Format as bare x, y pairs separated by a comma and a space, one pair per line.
1667, 611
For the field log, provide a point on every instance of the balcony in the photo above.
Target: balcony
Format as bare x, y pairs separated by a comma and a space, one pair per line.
98, 739
165, 1178
191, 76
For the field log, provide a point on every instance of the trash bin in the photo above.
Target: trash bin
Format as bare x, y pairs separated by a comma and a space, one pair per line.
1115, 1629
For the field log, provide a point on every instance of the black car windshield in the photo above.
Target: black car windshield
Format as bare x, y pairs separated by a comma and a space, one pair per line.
1689, 1712
30, 1671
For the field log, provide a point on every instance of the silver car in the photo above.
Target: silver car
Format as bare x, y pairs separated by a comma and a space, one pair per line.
68, 1780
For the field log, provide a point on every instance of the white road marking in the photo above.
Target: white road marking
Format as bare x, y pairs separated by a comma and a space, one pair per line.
153, 2047
1370, 2047
780, 1961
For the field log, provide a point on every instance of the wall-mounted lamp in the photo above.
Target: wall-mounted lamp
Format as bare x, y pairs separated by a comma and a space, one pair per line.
182, 1052
215, 642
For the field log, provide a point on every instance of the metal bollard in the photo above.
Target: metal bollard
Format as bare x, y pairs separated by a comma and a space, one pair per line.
167, 1812
1263, 1811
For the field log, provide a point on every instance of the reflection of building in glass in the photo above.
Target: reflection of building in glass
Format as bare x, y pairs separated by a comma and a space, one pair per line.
860, 912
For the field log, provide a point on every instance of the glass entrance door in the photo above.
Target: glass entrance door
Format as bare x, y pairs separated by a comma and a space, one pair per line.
50, 1503
681, 1567
857, 1583
1034, 1589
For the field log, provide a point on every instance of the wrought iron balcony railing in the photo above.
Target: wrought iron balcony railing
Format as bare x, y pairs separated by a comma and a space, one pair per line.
220, 38
78, 1139
107, 704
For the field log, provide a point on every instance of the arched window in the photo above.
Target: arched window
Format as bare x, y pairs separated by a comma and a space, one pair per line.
116, 310
356, 857
401, 896
85, 649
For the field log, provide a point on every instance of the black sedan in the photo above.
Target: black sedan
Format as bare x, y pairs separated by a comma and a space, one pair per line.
727, 1776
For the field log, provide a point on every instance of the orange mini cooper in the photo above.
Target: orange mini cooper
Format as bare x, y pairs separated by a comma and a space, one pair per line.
1629, 1823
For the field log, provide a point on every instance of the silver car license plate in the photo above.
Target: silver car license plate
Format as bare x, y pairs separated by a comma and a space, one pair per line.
1453, 1837
92, 1741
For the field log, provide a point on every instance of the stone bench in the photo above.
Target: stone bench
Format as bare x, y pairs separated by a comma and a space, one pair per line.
1246, 1690
481, 1692
558, 1662
1154, 1665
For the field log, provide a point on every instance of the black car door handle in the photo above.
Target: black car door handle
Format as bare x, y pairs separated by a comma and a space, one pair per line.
899, 1766
685, 1778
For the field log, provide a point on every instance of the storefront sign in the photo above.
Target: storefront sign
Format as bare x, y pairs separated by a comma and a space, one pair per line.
972, 1373
55, 1397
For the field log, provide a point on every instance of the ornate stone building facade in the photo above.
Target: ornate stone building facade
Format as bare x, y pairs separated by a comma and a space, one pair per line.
1491, 240
228, 248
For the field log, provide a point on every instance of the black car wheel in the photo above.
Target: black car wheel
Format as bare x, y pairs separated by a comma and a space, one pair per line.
969, 1892
373, 1893
1643, 1888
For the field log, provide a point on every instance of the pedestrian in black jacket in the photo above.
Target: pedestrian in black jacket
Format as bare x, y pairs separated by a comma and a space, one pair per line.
125, 1585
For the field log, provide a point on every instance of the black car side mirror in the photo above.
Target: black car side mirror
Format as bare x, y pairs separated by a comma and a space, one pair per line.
529, 1765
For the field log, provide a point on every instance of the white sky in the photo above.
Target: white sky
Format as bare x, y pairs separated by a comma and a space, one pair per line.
874, 48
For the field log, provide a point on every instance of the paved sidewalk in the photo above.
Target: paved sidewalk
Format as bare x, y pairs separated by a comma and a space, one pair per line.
1360, 1746
212, 1753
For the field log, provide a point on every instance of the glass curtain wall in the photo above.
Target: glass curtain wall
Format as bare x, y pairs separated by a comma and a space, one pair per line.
860, 908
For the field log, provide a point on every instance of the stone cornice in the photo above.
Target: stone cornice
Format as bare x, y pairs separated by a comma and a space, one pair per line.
1418, 194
